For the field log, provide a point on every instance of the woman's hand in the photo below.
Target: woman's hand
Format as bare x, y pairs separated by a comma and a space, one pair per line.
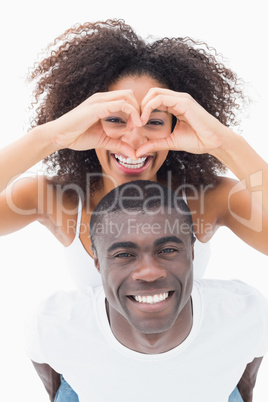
196, 130
81, 128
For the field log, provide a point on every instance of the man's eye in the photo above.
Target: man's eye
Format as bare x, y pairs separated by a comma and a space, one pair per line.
168, 250
123, 255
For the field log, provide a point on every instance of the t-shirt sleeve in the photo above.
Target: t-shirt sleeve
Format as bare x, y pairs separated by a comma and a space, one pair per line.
40, 329
32, 340
47, 328
263, 311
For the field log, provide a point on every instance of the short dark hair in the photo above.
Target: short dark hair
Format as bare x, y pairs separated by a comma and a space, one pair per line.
141, 196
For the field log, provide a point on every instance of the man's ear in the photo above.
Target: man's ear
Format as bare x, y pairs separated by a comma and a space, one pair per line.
193, 243
95, 259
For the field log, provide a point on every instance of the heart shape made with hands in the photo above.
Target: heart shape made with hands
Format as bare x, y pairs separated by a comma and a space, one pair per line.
198, 133
182, 138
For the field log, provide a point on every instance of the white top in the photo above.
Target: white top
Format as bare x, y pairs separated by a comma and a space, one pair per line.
72, 334
82, 270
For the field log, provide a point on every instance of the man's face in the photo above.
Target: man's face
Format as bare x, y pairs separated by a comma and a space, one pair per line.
146, 266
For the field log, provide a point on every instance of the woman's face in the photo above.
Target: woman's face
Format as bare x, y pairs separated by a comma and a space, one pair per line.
118, 168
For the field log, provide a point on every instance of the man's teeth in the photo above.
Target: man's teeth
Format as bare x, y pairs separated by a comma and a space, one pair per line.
151, 299
130, 163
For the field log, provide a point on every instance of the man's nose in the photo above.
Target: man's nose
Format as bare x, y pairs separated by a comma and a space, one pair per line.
149, 271
135, 137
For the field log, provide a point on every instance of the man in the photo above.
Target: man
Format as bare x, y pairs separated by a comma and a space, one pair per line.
149, 333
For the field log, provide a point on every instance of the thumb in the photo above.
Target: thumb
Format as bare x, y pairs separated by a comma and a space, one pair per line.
153, 146
119, 146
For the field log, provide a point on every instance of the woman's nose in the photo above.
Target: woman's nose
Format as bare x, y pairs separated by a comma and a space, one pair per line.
134, 137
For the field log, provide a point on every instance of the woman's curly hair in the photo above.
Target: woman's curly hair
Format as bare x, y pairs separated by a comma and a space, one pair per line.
88, 58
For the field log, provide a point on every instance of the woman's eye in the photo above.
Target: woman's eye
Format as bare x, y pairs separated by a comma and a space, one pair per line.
155, 122
115, 120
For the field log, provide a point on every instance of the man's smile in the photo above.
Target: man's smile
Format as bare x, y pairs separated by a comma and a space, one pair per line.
152, 299
153, 302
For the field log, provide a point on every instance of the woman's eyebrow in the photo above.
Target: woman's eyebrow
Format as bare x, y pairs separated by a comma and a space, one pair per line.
158, 110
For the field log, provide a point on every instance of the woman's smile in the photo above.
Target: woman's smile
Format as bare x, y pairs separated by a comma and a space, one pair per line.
129, 166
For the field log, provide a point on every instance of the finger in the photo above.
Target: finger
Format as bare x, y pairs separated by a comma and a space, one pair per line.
118, 146
163, 102
106, 109
176, 103
153, 92
133, 114
126, 94
162, 144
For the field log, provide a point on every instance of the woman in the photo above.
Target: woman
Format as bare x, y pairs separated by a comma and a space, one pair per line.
112, 108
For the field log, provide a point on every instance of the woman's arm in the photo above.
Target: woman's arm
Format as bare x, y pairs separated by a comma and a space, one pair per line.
24, 153
242, 205
79, 129
247, 165
19, 199
23, 201
246, 201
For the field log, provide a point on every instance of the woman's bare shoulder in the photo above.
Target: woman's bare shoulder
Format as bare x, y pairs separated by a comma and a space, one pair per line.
34, 198
208, 205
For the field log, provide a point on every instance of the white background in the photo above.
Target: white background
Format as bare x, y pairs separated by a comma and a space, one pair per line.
31, 265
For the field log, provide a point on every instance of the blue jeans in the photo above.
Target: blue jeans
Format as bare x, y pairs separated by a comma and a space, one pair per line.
235, 396
65, 392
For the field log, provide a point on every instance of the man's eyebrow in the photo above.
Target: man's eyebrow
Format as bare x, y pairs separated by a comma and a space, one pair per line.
167, 239
122, 244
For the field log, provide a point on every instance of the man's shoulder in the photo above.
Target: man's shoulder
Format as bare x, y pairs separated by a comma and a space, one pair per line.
234, 286
61, 318
233, 293
63, 303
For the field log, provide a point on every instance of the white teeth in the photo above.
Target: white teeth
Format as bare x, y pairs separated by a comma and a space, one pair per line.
130, 163
151, 299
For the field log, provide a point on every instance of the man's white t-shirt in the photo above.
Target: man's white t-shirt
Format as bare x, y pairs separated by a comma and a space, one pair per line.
71, 333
